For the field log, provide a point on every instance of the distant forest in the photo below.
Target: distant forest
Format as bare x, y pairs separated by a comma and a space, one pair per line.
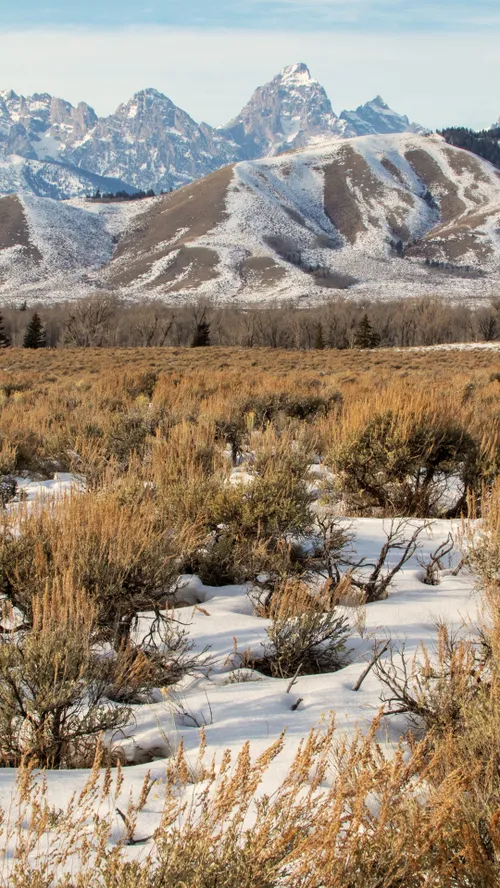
484, 143
120, 195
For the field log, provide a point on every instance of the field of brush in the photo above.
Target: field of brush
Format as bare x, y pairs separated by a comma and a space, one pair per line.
250, 633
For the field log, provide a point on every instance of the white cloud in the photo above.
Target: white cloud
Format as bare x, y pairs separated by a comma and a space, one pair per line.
437, 79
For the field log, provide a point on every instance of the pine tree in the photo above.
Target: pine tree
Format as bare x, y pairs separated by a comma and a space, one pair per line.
201, 336
319, 342
366, 337
5, 340
35, 336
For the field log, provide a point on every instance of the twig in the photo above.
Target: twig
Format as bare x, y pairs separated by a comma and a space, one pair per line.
433, 566
460, 566
294, 679
370, 667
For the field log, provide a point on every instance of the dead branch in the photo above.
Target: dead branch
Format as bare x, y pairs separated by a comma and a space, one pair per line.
370, 666
376, 585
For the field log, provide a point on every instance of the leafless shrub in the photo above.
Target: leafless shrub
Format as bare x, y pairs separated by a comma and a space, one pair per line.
153, 328
375, 586
433, 564
88, 324
434, 688
159, 659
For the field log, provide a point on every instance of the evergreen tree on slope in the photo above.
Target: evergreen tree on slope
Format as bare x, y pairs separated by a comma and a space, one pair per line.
201, 336
319, 341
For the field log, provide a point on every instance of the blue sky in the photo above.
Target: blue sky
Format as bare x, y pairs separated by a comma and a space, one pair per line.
386, 15
437, 62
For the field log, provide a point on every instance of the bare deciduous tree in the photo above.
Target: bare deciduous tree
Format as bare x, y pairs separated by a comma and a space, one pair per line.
88, 325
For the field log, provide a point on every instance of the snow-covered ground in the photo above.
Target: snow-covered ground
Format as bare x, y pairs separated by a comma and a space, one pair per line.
234, 711
236, 705
43, 491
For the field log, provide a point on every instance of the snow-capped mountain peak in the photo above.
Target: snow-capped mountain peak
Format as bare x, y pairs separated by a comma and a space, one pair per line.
298, 72
290, 111
149, 142
376, 117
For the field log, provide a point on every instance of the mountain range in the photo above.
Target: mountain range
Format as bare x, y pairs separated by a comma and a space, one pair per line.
376, 216
52, 149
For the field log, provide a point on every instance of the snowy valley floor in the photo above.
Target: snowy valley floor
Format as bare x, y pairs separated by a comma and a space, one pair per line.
235, 705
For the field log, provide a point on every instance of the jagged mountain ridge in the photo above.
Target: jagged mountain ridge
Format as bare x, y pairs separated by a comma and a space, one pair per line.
373, 216
147, 143
151, 143
293, 111
376, 117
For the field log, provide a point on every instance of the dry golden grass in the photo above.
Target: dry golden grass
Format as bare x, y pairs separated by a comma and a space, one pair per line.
67, 408
120, 553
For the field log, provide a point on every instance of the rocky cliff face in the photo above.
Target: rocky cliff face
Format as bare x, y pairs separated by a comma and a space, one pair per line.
292, 111
40, 126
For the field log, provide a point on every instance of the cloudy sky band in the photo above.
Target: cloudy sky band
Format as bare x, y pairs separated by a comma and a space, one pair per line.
436, 62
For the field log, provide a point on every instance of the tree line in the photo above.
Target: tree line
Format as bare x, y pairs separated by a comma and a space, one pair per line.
484, 143
105, 321
123, 195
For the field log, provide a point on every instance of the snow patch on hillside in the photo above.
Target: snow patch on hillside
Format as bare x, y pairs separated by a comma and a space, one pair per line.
66, 236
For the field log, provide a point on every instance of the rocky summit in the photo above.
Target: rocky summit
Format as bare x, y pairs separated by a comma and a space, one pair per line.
292, 111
